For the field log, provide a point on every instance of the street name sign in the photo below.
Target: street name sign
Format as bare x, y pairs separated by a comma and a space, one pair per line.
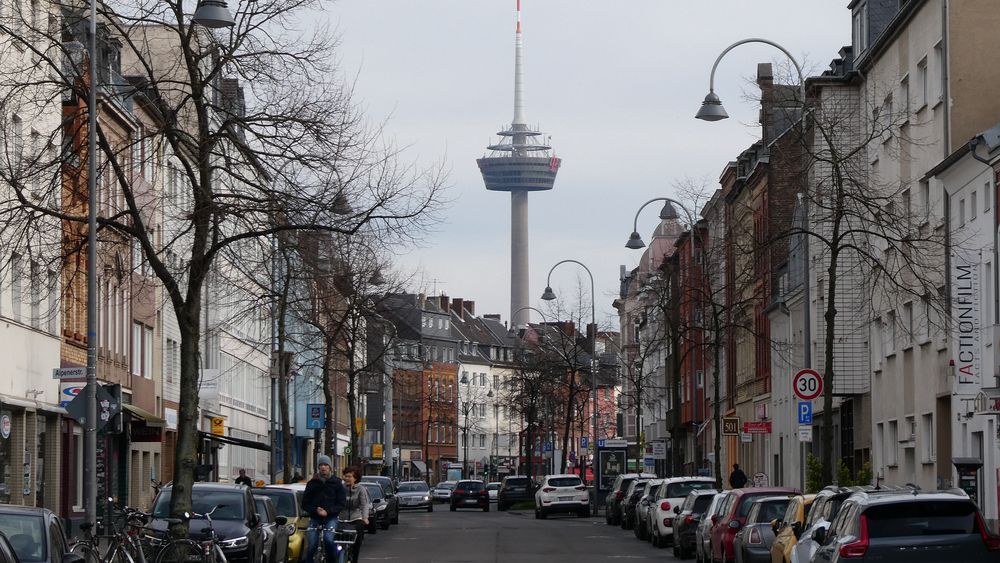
69, 373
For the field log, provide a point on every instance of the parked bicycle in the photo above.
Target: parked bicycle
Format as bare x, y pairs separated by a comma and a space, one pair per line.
343, 538
185, 550
123, 543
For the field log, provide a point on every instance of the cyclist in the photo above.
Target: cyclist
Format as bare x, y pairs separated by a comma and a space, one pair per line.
355, 514
323, 500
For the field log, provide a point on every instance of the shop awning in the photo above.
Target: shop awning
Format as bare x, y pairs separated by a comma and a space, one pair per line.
149, 418
421, 466
234, 441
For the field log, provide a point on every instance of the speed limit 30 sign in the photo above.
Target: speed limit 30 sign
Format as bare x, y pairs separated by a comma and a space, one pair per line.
807, 384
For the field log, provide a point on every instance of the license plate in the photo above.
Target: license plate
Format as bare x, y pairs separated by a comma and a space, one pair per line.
470, 501
565, 498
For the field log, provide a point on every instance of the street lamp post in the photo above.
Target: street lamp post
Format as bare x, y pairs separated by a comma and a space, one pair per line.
495, 450
635, 242
712, 110
549, 295
465, 426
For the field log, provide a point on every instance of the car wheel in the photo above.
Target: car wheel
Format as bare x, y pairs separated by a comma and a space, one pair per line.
486, 508
607, 517
384, 524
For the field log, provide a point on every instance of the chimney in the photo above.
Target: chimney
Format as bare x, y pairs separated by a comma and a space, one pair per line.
470, 307
456, 307
421, 300
492, 317
442, 302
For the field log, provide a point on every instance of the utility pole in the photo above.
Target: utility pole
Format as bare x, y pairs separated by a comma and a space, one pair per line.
90, 424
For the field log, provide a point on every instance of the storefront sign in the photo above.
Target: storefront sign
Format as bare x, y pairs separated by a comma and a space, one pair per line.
142, 433
966, 332
5, 426
757, 427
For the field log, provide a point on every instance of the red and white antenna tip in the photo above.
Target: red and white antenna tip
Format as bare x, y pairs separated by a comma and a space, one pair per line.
519, 16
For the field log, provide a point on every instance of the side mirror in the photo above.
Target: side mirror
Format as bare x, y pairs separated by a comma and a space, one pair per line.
281, 520
819, 536
677, 510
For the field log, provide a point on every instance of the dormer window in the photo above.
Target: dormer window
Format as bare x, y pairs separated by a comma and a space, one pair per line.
860, 27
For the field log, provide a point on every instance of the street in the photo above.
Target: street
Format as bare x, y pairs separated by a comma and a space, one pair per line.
514, 535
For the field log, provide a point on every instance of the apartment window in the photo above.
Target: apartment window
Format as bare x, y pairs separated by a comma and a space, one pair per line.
136, 348
904, 92
925, 319
961, 212
16, 286
987, 286
940, 70
891, 341
17, 147
907, 207
908, 322
880, 441
925, 198
972, 205
987, 196
53, 309
928, 453
35, 294
921, 83
36, 153
170, 363
892, 445
147, 352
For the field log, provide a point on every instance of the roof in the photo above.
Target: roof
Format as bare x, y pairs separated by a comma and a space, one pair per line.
18, 509
895, 497
213, 486
695, 479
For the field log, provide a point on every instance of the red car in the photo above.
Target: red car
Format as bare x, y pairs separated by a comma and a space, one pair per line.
733, 515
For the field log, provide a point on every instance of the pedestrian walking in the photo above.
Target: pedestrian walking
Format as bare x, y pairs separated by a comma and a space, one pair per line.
323, 500
737, 479
357, 509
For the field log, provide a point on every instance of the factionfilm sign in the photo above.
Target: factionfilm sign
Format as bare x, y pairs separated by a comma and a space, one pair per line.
966, 310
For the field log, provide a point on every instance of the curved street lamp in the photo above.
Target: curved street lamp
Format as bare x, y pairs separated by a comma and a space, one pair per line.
549, 295
711, 108
635, 241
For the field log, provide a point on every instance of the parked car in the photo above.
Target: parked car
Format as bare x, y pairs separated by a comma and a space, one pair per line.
752, 544
275, 530
642, 510
703, 533
915, 526
442, 491
235, 521
414, 495
35, 535
385, 509
789, 527
493, 489
733, 515
632, 495
7, 554
562, 493
613, 502
515, 488
388, 487
287, 500
671, 493
688, 516
823, 510
470, 493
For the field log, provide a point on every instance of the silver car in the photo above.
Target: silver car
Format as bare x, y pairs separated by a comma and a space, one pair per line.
702, 536
414, 495
442, 491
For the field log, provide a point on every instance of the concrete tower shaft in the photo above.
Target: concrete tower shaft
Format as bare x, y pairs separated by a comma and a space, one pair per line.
519, 164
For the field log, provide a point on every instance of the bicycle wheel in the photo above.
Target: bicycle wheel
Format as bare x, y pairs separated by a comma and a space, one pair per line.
87, 551
119, 555
180, 551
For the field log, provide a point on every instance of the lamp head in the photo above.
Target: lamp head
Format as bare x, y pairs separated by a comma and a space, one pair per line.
213, 14
490, 394
464, 380
634, 242
668, 211
548, 294
711, 109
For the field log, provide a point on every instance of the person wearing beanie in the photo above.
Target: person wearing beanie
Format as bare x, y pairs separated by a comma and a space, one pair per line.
323, 500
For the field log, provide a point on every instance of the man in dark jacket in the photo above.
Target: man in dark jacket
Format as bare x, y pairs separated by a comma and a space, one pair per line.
323, 500
737, 479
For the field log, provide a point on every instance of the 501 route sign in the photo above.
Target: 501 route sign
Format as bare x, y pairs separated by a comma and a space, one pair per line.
807, 384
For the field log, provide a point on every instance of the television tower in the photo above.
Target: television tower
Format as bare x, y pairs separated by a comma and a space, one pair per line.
519, 164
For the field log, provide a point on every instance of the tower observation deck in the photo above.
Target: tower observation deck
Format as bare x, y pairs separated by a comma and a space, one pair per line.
519, 164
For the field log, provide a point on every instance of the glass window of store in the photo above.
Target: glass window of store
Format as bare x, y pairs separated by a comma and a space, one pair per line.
6, 451
40, 462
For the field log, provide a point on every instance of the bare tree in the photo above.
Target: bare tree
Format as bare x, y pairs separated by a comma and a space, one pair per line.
254, 135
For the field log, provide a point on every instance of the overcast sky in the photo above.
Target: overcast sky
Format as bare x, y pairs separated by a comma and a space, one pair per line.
616, 84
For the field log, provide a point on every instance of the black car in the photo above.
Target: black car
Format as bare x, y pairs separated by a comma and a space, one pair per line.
384, 509
515, 488
7, 554
275, 530
688, 516
613, 502
388, 487
920, 527
629, 502
470, 494
36, 535
235, 521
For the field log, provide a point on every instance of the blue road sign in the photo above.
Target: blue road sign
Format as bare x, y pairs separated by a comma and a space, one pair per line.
600, 443
316, 416
548, 446
805, 412
584, 443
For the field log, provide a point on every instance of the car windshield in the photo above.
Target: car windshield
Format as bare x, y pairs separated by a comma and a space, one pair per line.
284, 502
471, 485
26, 535
449, 486
701, 503
564, 482
926, 518
747, 502
516, 482
230, 504
261, 507
493, 486
680, 490
625, 483
374, 491
420, 487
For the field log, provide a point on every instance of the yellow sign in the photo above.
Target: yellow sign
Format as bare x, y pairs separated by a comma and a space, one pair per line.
359, 424
218, 426
376, 450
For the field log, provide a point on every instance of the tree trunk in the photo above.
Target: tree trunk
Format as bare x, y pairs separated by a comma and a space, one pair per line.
283, 375
676, 436
329, 396
830, 319
353, 410
570, 411
186, 451
530, 453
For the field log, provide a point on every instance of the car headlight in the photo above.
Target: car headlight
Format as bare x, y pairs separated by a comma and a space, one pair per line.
241, 541
380, 508
427, 497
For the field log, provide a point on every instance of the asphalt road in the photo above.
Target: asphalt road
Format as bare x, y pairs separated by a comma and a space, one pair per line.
514, 536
